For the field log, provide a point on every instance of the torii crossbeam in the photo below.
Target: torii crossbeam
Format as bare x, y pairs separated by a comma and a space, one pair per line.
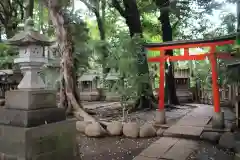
212, 56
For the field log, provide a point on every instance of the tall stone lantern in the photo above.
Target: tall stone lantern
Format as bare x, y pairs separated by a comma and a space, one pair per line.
31, 125
31, 58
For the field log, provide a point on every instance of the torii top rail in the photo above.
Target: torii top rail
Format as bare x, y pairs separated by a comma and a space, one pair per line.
212, 55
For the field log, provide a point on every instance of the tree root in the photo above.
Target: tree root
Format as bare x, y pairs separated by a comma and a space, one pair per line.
78, 110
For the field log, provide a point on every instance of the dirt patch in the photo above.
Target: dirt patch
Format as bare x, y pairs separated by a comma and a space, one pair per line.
111, 148
111, 113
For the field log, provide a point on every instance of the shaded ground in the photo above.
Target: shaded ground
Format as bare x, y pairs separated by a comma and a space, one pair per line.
111, 148
114, 148
114, 112
209, 151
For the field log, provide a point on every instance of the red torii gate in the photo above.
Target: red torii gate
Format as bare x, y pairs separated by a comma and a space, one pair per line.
212, 55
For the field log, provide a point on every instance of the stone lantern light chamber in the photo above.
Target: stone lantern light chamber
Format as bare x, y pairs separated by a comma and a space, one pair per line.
31, 57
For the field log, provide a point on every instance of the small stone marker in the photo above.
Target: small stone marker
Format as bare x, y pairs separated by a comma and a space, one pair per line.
147, 130
115, 128
94, 130
131, 129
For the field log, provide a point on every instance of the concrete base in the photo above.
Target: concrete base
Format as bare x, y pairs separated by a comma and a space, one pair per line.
30, 99
160, 117
218, 120
45, 142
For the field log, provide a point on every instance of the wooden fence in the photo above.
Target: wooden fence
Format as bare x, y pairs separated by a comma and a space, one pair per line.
228, 94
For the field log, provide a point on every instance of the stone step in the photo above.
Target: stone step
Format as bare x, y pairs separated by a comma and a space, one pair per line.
188, 132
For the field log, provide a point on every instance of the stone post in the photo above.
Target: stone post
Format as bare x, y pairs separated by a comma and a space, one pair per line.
31, 125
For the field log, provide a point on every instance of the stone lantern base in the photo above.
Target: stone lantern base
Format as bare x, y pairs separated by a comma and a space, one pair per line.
32, 127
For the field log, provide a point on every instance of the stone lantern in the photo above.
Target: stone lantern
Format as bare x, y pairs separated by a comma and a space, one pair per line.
31, 124
31, 55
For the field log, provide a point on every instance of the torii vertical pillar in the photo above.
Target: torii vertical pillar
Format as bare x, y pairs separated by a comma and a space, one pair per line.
160, 114
218, 116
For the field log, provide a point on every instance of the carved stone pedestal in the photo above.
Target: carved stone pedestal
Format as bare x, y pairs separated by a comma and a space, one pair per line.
33, 128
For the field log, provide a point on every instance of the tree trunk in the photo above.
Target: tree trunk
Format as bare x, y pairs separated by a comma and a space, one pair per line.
101, 29
10, 30
29, 8
100, 16
167, 36
133, 22
64, 36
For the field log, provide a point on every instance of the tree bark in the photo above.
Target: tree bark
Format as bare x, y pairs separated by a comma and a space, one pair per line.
29, 8
167, 36
132, 17
63, 32
10, 30
101, 28
102, 33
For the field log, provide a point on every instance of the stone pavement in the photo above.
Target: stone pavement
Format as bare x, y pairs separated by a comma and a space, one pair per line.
169, 149
192, 124
177, 148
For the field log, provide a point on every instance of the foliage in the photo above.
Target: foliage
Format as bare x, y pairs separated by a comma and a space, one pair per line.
82, 51
124, 59
189, 20
7, 55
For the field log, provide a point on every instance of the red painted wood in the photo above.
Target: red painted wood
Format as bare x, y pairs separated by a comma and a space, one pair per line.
212, 57
161, 82
219, 43
215, 87
186, 51
187, 57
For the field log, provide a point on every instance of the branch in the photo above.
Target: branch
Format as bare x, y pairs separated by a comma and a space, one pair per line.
22, 8
20, 4
10, 5
175, 25
2, 19
118, 7
89, 6
3, 7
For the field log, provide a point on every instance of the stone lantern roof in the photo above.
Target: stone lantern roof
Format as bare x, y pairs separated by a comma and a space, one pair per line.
29, 36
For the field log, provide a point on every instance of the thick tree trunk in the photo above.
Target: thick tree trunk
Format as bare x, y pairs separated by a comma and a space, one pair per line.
145, 91
10, 30
167, 36
101, 29
29, 8
63, 32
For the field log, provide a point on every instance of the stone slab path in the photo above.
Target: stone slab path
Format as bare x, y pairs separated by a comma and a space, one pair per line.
192, 124
169, 148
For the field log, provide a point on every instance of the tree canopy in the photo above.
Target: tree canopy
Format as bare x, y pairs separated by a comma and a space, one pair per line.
110, 34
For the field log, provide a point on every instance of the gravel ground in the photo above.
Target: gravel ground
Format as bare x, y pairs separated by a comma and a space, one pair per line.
209, 151
115, 148
111, 148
